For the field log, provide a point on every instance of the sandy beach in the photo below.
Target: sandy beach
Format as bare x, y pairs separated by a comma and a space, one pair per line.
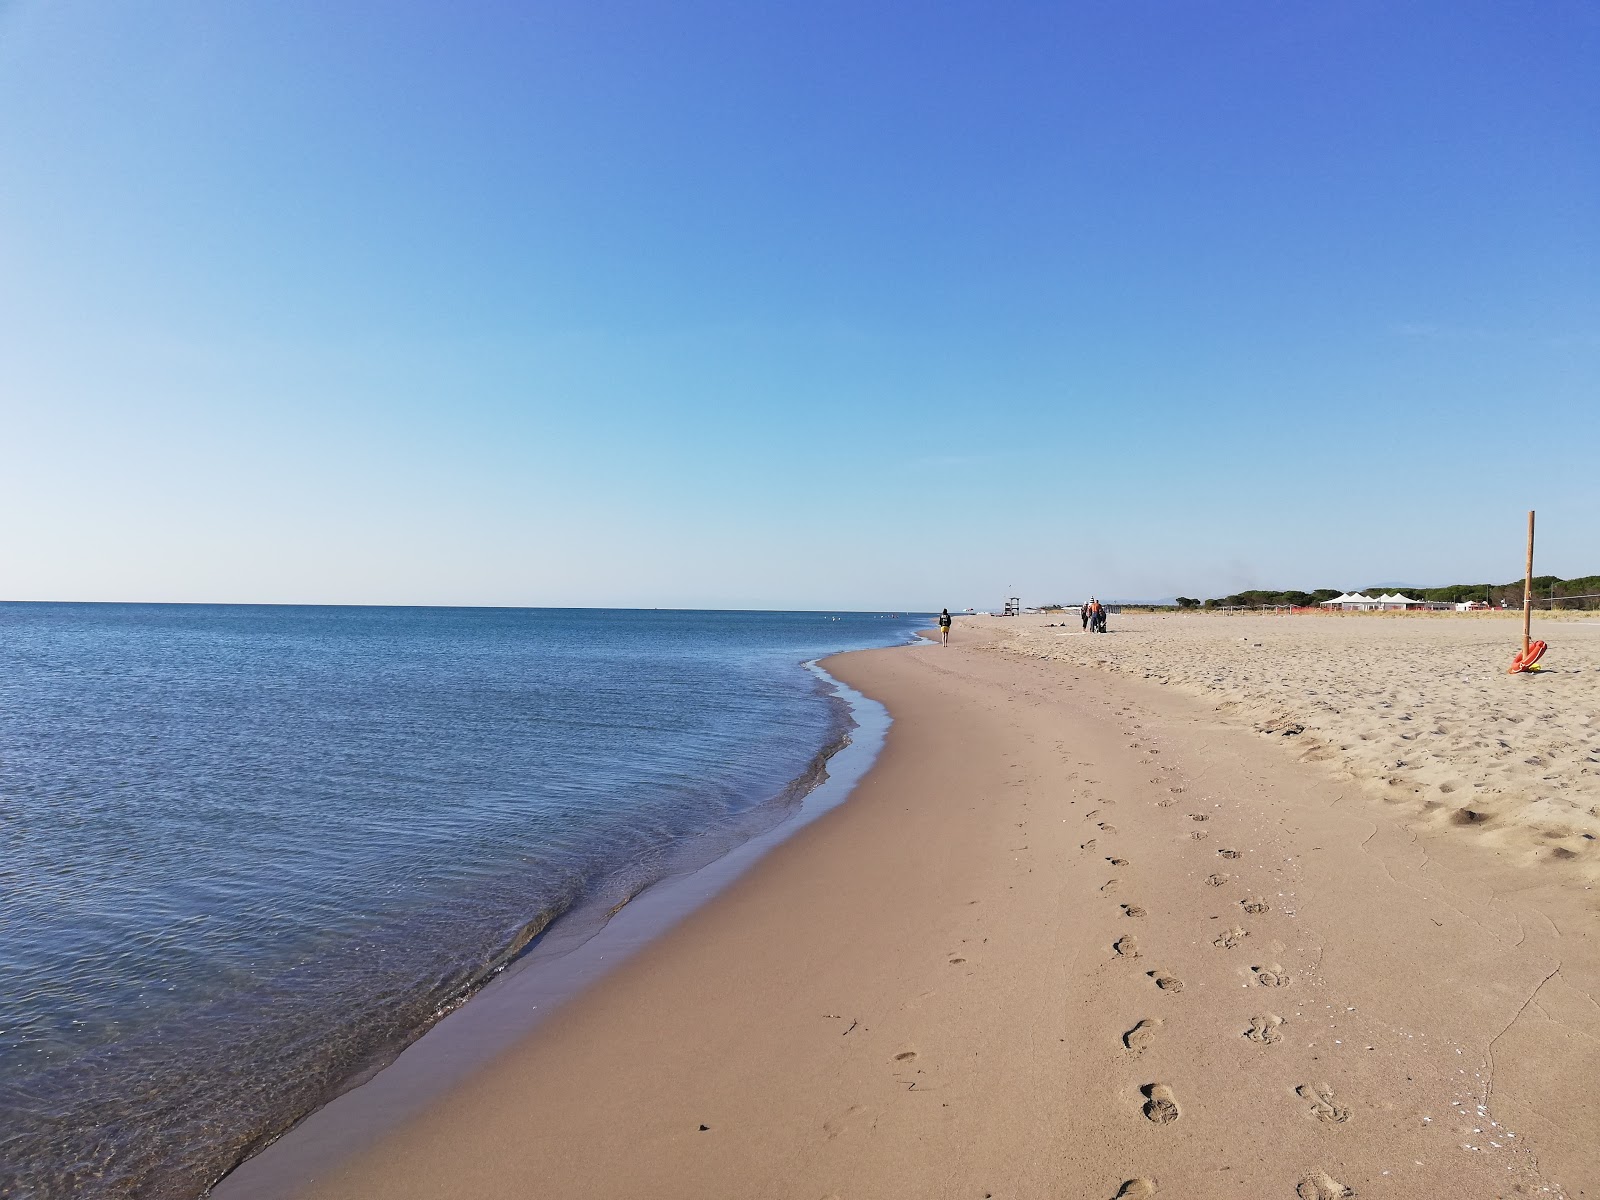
1081, 934
1418, 708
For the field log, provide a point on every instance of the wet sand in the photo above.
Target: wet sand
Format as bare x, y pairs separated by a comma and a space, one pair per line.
1075, 935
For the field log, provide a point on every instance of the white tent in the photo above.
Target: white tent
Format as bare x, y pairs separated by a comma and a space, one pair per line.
1354, 602
1358, 602
1398, 602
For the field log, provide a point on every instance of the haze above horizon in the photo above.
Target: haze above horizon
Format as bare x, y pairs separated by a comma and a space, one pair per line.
849, 307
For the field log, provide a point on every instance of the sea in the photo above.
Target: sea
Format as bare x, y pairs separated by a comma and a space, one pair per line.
248, 853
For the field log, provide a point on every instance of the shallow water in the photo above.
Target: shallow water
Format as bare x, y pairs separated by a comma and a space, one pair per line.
249, 851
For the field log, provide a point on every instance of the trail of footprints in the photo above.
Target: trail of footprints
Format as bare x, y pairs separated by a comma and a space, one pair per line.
1264, 1030
1160, 1105
1141, 1035
1323, 1106
1160, 1108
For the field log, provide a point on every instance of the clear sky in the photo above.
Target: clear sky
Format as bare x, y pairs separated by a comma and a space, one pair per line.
823, 304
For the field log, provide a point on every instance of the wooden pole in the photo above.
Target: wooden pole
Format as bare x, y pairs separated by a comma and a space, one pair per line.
1527, 588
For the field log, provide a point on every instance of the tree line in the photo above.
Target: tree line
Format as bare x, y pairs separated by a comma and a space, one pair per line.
1560, 592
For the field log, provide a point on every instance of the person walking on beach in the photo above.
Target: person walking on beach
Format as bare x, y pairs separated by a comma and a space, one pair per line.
944, 627
1083, 611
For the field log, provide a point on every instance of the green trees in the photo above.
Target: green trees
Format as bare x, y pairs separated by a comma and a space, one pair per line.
1258, 598
1550, 590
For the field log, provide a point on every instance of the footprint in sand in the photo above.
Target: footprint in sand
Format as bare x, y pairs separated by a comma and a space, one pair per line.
834, 1126
1216, 880
1141, 1035
1320, 1186
1199, 835
1117, 862
1199, 817
1228, 853
1323, 1106
1254, 906
1167, 983
905, 1056
1089, 845
1136, 1189
1110, 886
1132, 910
1271, 976
1126, 947
1167, 803
1159, 1106
1104, 828
1264, 1030
1229, 938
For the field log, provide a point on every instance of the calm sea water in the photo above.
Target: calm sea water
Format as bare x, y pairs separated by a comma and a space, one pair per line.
250, 851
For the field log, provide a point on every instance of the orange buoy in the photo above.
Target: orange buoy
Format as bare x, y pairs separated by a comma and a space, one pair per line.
1527, 658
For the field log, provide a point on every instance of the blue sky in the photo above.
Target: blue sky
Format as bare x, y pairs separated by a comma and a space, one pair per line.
793, 305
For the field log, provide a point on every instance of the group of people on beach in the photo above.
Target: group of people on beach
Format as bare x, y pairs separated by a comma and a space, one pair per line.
1094, 619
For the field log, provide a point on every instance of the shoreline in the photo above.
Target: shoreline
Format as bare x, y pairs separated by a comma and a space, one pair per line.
305, 835
571, 953
1073, 935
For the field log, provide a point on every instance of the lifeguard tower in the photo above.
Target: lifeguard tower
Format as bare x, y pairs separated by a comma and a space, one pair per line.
1013, 607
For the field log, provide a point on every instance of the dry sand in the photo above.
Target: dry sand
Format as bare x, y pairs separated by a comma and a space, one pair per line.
1420, 707
1074, 936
